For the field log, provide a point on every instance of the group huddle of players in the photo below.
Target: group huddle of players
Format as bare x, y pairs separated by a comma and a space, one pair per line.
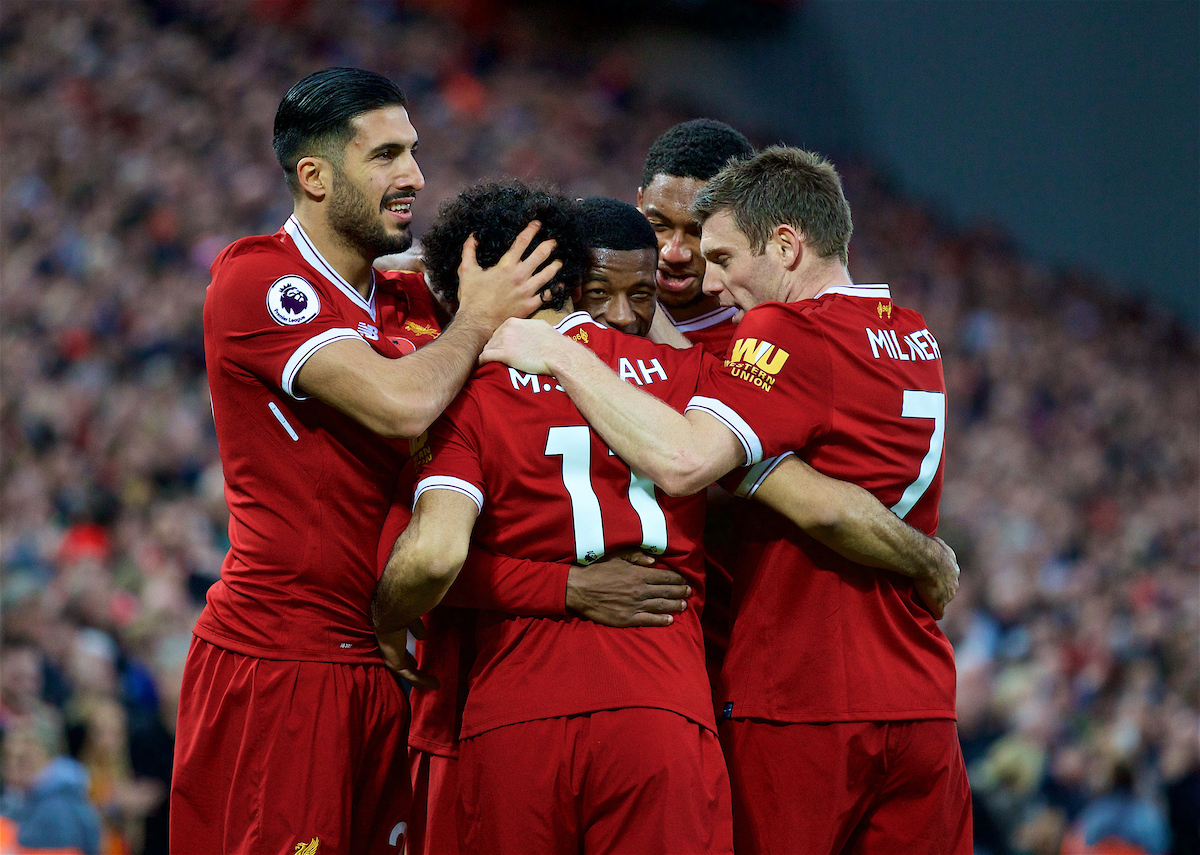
580, 647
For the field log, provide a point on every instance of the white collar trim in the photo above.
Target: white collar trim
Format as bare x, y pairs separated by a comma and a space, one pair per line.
575, 319
700, 322
313, 256
870, 292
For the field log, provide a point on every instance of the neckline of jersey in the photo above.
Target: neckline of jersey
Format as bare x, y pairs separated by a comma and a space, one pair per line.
317, 261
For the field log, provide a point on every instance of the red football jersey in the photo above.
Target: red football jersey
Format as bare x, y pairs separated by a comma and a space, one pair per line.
854, 385
713, 330
549, 490
308, 488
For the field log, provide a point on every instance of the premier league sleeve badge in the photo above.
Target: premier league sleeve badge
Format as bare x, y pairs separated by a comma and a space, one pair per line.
292, 300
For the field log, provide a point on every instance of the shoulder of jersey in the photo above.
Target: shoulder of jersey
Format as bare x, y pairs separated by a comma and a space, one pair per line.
402, 280
259, 254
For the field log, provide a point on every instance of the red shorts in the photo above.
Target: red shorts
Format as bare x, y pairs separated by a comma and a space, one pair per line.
849, 787
271, 756
433, 830
638, 780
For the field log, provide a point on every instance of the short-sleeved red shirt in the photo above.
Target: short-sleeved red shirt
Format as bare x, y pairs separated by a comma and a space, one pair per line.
308, 487
550, 490
853, 384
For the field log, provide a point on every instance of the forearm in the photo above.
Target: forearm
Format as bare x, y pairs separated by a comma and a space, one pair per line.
396, 397
872, 535
424, 383
416, 578
849, 520
650, 436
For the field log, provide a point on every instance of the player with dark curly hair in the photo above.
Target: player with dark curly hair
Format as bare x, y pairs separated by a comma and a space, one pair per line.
511, 465
494, 213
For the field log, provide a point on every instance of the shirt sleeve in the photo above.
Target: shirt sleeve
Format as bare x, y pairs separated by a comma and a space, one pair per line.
512, 585
447, 458
450, 460
270, 317
773, 392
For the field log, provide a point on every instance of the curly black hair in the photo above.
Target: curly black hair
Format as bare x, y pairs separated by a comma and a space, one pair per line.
495, 213
699, 148
609, 223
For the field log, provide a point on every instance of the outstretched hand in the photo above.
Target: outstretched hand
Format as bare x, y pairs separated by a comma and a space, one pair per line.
510, 288
627, 591
938, 590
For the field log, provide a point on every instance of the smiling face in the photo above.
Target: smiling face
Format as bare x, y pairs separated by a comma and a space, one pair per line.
665, 202
748, 278
374, 186
618, 289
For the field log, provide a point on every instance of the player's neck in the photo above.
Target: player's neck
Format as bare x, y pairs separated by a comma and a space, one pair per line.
707, 303
811, 280
553, 316
342, 257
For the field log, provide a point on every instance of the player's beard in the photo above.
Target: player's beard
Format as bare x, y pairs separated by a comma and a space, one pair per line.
358, 224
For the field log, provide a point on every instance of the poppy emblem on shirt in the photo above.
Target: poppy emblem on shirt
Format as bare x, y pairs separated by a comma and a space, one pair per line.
292, 300
406, 346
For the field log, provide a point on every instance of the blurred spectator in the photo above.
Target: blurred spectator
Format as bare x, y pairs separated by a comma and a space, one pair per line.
45, 793
123, 799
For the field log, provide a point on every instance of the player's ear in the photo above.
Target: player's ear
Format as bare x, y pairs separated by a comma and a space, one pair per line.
789, 243
639, 201
314, 174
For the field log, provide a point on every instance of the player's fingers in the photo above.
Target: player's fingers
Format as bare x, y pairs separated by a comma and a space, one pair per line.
468, 261
662, 576
537, 257
675, 593
545, 275
664, 606
418, 678
640, 558
647, 619
521, 243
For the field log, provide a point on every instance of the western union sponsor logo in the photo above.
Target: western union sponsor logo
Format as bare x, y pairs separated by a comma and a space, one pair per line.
763, 355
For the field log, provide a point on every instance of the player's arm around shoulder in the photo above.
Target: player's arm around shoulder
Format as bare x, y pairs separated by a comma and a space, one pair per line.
402, 397
680, 453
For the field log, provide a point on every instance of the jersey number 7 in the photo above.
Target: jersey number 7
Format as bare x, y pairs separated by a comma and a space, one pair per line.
923, 405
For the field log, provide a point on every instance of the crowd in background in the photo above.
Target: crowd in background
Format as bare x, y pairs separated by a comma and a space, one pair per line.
136, 144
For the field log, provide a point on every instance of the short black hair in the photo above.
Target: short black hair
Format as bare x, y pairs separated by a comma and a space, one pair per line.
314, 116
609, 223
695, 149
495, 213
